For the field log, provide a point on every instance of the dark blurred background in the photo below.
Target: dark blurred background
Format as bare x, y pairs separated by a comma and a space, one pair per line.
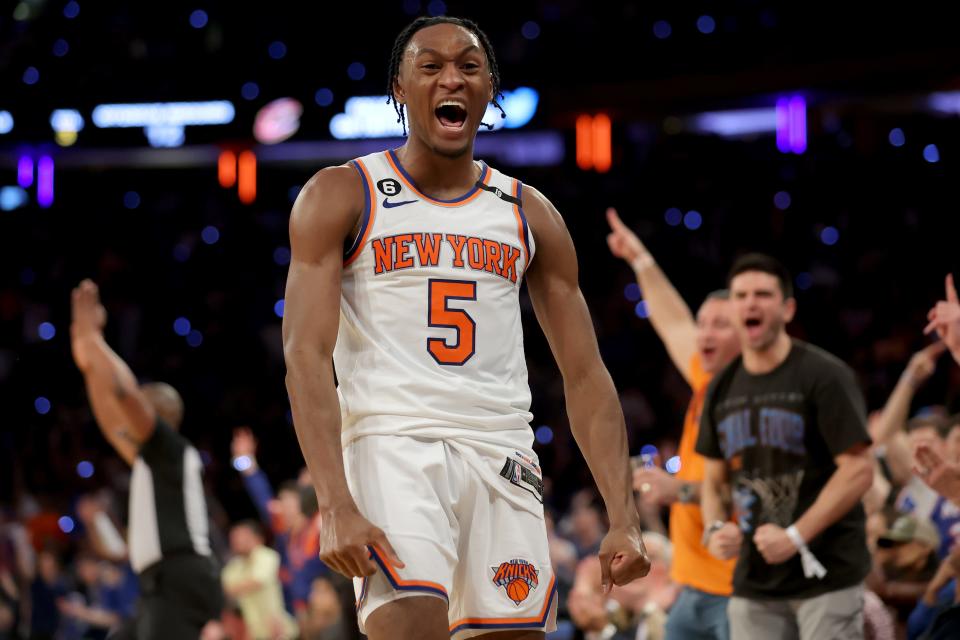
823, 133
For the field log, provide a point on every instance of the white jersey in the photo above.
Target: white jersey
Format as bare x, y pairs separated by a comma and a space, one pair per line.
430, 342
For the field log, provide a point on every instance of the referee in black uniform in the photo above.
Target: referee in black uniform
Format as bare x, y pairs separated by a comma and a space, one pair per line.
167, 530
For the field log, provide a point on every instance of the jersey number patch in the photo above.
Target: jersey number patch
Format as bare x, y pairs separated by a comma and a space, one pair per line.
439, 314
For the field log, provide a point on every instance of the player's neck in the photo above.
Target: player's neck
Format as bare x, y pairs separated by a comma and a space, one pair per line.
436, 175
758, 362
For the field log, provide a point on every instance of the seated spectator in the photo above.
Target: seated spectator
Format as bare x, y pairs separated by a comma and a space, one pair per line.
87, 614
324, 618
252, 579
904, 562
48, 586
636, 610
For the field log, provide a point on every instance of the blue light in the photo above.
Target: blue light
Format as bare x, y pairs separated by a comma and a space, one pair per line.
131, 199
673, 216
242, 463
356, 71
782, 200
181, 326
896, 137
649, 450
544, 434
323, 97
673, 464
198, 19
411, 7
46, 331
181, 252
278, 308
277, 50
931, 154
520, 105
210, 234
6, 125
829, 236
71, 10
804, 281
31, 76
42, 405
66, 524
530, 30
250, 91
706, 24
281, 256
692, 220
632, 292
61, 48
641, 310
437, 7
195, 338
85, 469
662, 29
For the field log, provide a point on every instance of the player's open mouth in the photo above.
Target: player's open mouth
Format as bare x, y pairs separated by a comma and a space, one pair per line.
752, 323
709, 351
451, 114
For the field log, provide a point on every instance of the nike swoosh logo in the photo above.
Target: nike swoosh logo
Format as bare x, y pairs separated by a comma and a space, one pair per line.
390, 205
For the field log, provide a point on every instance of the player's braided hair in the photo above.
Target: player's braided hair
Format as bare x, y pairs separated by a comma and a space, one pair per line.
400, 45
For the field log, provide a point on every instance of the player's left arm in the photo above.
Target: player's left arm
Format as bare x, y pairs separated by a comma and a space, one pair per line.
841, 418
122, 411
593, 407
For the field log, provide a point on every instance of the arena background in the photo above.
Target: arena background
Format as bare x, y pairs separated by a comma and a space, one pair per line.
822, 133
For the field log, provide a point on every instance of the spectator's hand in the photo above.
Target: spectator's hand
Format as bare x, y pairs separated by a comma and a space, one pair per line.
724, 543
774, 544
655, 485
244, 445
623, 242
945, 319
88, 507
623, 557
923, 363
940, 475
88, 319
345, 539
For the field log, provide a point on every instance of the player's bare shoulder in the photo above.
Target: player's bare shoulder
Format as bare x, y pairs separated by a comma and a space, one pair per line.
542, 216
328, 209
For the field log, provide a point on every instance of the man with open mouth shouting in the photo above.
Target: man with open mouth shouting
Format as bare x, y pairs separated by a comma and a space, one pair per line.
784, 428
430, 492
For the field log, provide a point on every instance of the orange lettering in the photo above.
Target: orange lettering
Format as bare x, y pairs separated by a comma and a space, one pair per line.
403, 261
383, 254
509, 267
475, 253
429, 254
457, 242
492, 249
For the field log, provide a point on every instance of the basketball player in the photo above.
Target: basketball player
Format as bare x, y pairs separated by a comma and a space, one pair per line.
786, 423
427, 483
167, 530
699, 349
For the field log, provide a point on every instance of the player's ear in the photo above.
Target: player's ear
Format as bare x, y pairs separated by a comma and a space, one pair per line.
398, 93
789, 309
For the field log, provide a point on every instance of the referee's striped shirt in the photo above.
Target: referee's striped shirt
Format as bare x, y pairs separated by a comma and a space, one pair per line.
168, 512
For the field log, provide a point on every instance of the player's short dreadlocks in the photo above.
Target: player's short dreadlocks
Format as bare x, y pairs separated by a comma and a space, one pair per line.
400, 45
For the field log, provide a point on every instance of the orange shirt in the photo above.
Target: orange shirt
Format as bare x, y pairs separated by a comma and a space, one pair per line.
693, 566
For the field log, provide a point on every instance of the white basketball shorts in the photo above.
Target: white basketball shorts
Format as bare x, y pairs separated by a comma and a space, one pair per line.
466, 518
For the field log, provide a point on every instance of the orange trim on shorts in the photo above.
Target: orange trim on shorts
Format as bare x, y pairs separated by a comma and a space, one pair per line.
469, 196
368, 218
538, 620
399, 583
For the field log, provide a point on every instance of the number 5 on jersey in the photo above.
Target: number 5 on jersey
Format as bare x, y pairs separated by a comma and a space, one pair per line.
439, 314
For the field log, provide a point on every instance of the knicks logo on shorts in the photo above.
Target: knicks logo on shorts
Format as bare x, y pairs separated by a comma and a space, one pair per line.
517, 577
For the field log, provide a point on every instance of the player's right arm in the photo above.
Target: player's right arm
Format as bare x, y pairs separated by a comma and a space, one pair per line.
669, 314
324, 216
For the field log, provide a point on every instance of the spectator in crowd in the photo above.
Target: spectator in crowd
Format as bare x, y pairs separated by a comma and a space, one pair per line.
785, 426
86, 609
324, 618
47, 588
699, 348
252, 578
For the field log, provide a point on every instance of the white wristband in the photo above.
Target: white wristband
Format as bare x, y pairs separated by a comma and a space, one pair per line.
811, 566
